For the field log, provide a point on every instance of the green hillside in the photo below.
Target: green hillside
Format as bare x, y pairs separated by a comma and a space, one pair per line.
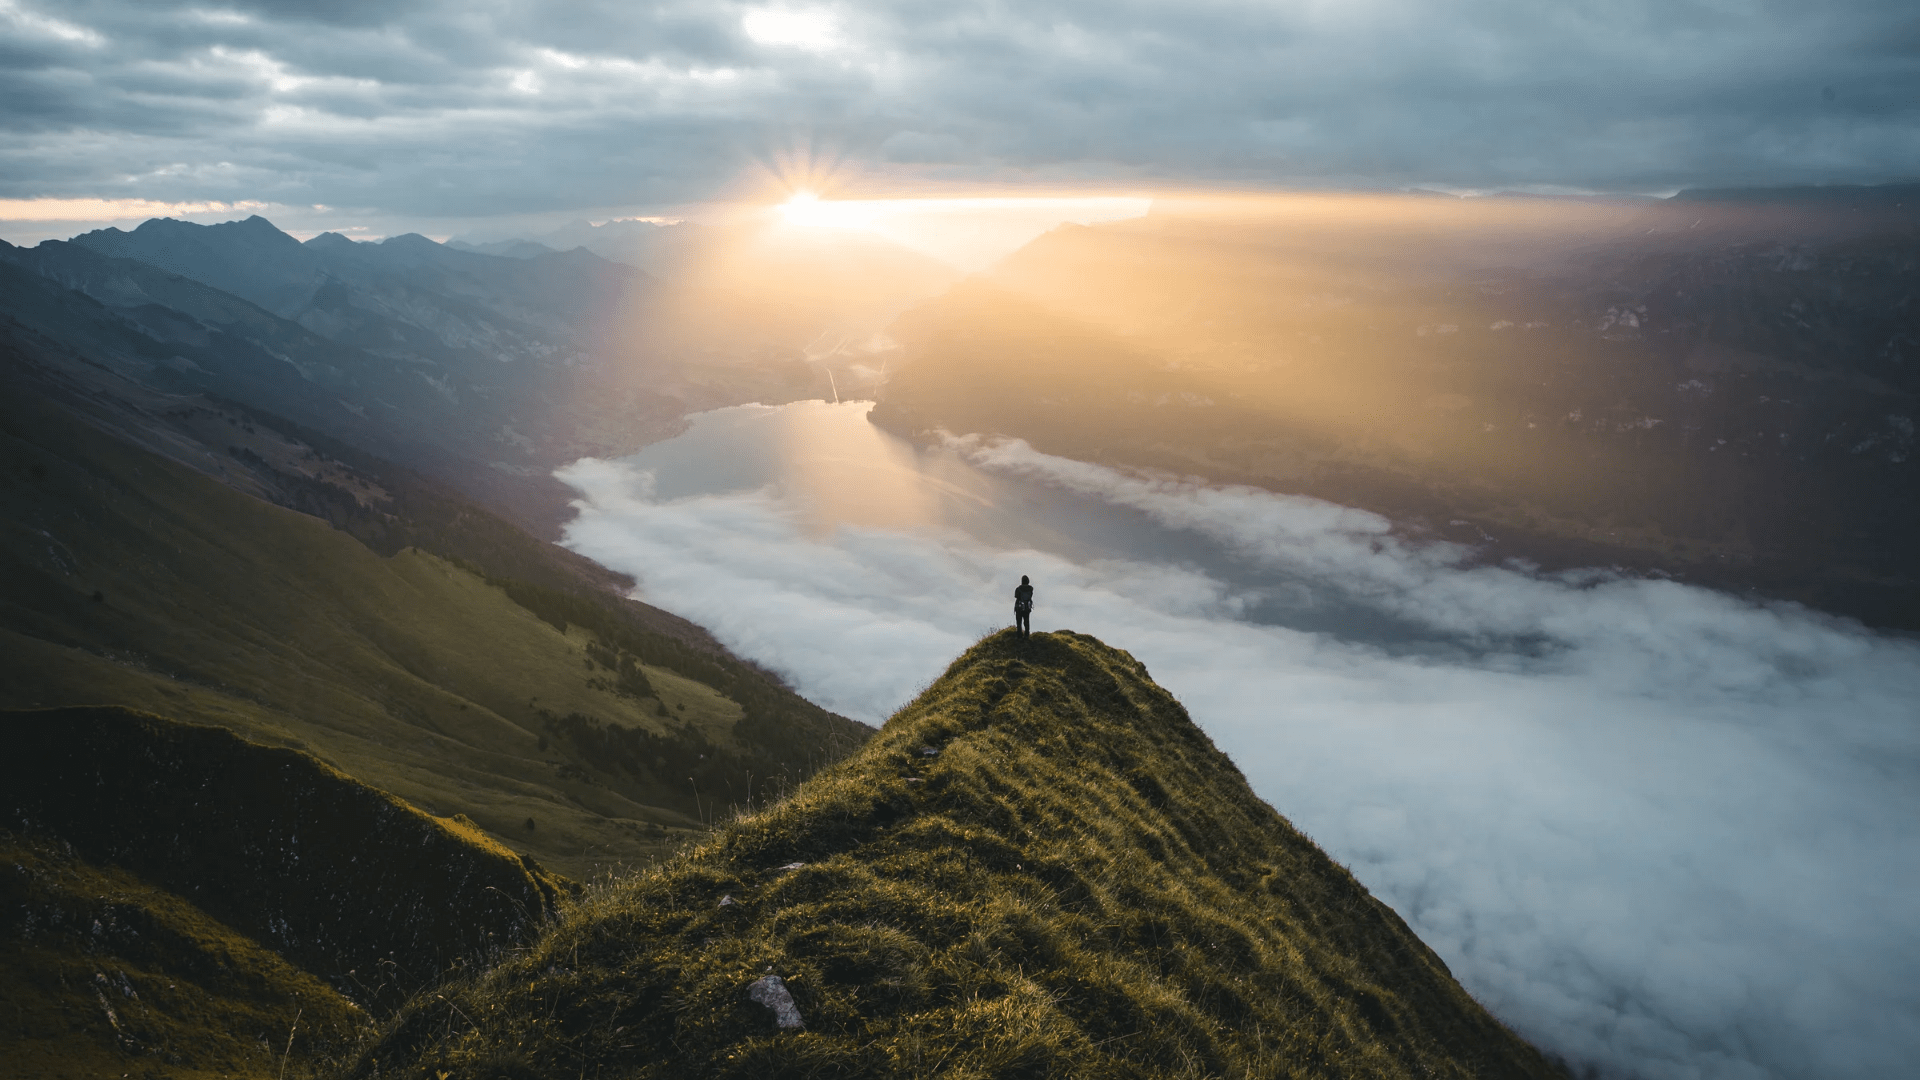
549, 711
1041, 867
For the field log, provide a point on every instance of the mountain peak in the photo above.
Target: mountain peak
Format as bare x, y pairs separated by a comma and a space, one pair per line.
254, 229
1042, 866
330, 241
159, 225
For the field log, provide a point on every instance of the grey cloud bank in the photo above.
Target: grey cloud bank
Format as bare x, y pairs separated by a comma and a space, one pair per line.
1662, 832
428, 110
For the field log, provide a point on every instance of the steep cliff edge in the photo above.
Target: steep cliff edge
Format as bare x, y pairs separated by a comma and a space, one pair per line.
1041, 867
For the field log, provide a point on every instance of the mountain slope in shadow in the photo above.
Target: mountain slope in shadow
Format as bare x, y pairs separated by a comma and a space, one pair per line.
582, 732
1041, 867
491, 424
183, 902
484, 372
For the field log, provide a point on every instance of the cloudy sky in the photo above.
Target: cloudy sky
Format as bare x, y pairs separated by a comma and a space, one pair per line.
434, 114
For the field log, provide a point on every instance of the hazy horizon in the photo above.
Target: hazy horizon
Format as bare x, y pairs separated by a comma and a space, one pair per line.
429, 117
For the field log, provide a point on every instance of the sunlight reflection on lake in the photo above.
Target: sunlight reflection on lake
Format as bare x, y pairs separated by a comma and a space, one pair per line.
829, 466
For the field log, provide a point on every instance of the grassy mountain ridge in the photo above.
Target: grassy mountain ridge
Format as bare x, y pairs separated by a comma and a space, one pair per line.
1041, 867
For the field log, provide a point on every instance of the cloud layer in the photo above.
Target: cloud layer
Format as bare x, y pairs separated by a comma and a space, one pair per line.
422, 110
1663, 832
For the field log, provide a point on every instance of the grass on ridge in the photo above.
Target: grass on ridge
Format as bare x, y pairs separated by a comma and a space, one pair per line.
1041, 867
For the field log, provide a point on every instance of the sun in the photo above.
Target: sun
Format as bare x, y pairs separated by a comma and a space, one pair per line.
967, 232
800, 208
809, 210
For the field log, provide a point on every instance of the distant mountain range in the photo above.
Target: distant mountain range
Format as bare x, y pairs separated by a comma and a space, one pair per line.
413, 296
1722, 386
655, 246
485, 372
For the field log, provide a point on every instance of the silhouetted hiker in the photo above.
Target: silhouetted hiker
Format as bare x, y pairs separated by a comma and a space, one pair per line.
1023, 606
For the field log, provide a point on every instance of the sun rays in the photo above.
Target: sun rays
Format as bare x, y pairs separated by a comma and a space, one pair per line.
967, 232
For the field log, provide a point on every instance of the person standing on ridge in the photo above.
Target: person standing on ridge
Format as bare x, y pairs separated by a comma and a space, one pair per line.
1023, 606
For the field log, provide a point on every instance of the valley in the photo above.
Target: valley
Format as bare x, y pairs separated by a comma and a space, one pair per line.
1368, 482
510, 516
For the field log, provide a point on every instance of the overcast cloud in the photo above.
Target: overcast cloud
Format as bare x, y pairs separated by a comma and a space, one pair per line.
416, 112
1669, 837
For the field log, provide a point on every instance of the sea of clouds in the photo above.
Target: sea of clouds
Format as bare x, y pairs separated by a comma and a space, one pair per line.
1661, 831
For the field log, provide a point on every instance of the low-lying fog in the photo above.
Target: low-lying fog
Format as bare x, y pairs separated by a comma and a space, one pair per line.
1660, 831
